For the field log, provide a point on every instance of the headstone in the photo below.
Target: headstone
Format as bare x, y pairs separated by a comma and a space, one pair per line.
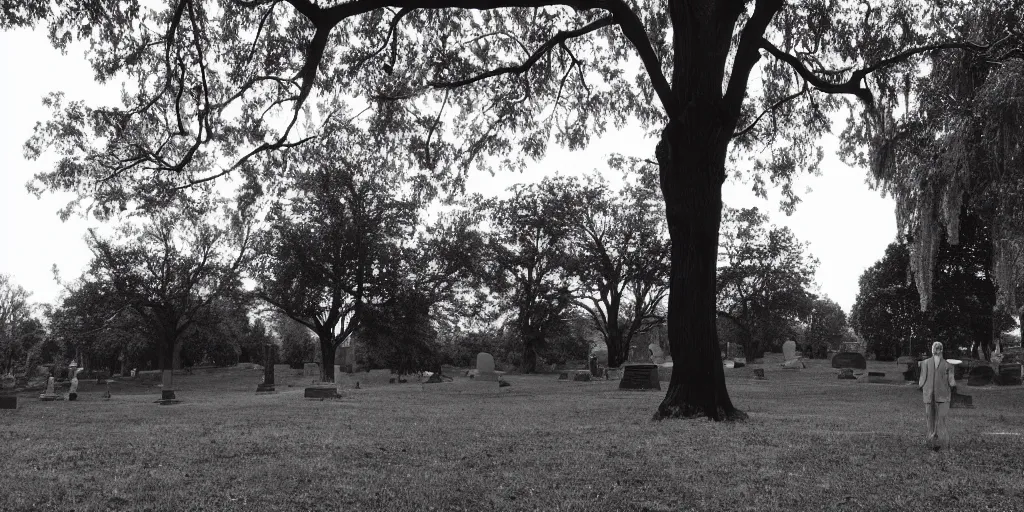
876, 377
74, 385
485, 367
789, 350
8, 381
640, 376
167, 396
849, 360
503, 384
639, 353
310, 370
759, 374
792, 360
981, 376
49, 395
594, 369
581, 377
269, 359
612, 373
321, 392
563, 376
846, 373
1010, 374
434, 379
657, 355
9, 402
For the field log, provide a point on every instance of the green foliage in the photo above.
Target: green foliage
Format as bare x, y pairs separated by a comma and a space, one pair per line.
398, 335
763, 280
619, 254
337, 228
169, 270
826, 328
297, 343
527, 260
19, 331
887, 311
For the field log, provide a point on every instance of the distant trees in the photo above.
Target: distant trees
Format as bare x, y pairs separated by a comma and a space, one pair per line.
526, 260
962, 313
620, 254
763, 280
16, 324
826, 327
170, 269
336, 235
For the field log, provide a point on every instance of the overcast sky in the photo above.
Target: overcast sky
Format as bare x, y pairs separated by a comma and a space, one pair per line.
846, 224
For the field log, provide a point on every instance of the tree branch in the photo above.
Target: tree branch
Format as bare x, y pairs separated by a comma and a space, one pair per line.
772, 108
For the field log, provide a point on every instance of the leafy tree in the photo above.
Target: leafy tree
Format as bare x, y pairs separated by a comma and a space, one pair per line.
620, 256
887, 312
297, 344
827, 324
527, 255
336, 235
170, 269
763, 283
472, 78
15, 323
953, 139
399, 335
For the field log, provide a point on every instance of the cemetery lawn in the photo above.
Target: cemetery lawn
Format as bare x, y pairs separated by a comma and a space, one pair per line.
812, 443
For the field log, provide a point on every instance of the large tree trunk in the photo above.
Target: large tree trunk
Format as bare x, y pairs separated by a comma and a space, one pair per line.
530, 343
618, 349
176, 358
692, 167
326, 356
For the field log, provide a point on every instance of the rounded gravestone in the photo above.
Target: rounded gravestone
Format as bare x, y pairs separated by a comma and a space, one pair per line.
849, 360
981, 376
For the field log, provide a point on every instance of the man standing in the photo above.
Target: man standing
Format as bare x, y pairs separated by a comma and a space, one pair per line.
936, 383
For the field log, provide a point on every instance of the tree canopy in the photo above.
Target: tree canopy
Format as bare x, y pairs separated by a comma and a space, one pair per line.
213, 88
764, 281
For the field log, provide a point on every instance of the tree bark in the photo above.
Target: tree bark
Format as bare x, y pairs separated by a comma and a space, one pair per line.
530, 343
692, 168
618, 349
326, 356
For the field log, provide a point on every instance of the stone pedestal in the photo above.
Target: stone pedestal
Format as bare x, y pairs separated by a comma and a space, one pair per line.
167, 396
640, 376
49, 395
8, 402
321, 392
269, 359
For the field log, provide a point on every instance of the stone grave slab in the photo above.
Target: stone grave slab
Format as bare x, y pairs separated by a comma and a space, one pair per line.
581, 376
613, 373
49, 395
321, 392
849, 360
485, 368
981, 376
640, 376
846, 374
759, 374
876, 377
9, 402
1010, 374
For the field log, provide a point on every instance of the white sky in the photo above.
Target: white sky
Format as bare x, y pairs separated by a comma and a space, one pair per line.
847, 225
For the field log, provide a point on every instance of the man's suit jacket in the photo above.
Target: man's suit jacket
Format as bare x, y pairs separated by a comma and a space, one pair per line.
935, 382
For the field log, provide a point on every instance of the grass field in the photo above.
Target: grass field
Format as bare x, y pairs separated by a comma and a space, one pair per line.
812, 443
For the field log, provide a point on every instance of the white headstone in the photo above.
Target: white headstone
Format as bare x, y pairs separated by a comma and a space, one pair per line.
789, 350
657, 355
485, 367
49, 386
167, 379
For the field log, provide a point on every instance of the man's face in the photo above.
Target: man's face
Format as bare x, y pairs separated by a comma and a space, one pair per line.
936, 350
